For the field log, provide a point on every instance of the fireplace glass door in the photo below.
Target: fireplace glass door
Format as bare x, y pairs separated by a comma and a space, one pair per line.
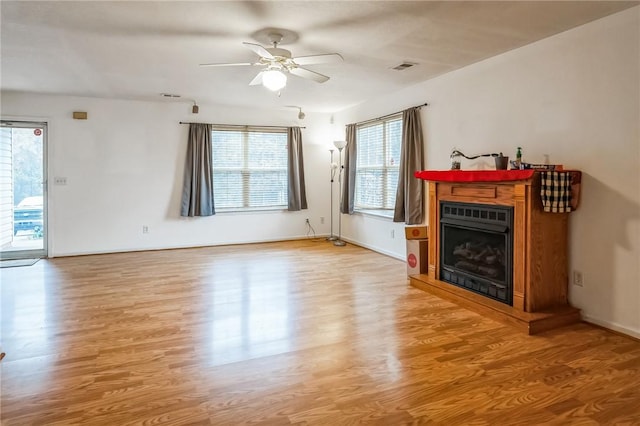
476, 249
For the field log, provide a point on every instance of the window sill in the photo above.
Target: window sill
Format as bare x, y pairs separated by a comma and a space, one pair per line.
381, 214
253, 210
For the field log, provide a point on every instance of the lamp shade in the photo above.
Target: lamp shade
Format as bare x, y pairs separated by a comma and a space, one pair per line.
274, 80
340, 144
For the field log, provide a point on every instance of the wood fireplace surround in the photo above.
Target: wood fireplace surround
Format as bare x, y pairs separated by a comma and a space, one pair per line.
540, 262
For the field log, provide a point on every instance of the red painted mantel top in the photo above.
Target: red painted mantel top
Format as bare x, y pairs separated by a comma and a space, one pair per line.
474, 175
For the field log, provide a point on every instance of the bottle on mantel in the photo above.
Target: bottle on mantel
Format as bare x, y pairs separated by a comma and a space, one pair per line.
519, 159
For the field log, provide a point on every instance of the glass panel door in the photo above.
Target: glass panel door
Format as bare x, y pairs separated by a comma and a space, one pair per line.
23, 200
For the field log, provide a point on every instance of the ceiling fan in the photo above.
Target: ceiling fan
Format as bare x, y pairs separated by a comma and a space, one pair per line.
277, 63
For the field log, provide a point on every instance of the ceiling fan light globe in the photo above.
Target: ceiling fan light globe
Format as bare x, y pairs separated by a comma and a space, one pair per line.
274, 80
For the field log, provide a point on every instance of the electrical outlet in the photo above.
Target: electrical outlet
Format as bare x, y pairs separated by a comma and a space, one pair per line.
578, 279
145, 229
321, 220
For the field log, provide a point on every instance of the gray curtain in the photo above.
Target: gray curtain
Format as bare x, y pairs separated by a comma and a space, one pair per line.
349, 172
197, 190
410, 194
295, 173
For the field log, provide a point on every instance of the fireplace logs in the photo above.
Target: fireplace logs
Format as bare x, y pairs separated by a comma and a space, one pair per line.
479, 258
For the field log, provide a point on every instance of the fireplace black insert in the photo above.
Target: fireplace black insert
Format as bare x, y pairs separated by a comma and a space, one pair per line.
476, 248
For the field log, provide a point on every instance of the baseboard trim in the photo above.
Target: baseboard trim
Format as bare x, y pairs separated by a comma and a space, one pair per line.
611, 326
374, 248
187, 246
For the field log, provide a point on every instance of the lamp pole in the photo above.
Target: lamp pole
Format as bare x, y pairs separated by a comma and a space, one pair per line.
340, 145
332, 172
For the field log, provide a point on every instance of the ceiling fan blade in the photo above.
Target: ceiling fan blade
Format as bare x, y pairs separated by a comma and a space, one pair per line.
311, 75
318, 59
259, 50
257, 80
237, 64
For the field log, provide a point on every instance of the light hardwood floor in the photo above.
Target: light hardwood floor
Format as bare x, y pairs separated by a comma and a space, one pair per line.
286, 333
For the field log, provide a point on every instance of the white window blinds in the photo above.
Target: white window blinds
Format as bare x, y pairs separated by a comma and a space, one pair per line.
378, 161
249, 168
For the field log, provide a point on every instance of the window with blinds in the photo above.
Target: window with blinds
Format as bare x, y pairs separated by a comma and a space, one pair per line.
378, 162
249, 168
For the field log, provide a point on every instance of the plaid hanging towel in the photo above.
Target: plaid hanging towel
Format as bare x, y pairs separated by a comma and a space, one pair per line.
555, 191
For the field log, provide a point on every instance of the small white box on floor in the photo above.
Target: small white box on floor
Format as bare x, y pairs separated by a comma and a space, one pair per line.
417, 262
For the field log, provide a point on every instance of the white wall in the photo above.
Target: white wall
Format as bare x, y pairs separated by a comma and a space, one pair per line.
124, 169
574, 97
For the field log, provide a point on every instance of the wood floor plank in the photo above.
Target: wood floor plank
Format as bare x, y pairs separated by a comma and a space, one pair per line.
300, 333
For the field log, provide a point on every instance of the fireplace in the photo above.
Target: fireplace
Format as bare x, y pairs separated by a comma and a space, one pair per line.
476, 248
496, 209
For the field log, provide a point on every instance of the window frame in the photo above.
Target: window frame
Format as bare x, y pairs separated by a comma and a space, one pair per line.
385, 168
245, 170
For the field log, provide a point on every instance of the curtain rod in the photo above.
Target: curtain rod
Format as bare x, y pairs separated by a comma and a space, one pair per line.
388, 115
242, 125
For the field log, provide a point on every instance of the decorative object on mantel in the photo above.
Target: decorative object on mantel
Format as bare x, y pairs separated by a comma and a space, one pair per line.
530, 166
555, 191
501, 161
518, 164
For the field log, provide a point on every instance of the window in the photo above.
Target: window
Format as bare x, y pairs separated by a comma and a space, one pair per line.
378, 165
249, 168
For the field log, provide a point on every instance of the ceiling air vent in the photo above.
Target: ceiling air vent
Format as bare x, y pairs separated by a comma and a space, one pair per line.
404, 66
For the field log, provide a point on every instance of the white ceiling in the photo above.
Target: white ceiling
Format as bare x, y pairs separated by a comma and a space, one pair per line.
137, 50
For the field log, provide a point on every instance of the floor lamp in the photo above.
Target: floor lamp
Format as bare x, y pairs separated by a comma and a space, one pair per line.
332, 170
340, 145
